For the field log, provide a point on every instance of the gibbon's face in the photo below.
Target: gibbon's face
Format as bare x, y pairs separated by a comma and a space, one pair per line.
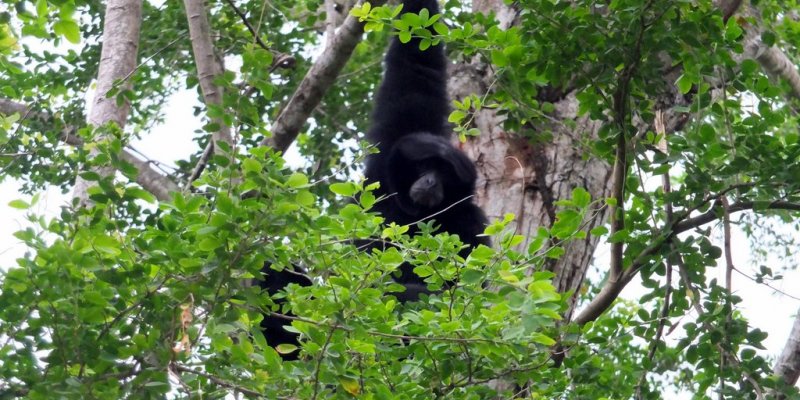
428, 190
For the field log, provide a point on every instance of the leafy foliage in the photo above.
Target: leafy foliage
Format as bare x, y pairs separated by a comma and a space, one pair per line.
143, 299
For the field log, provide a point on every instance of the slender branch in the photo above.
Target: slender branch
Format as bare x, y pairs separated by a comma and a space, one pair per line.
666, 185
316, 83
714, 213
279, 60
695, 300
612, 289
181, 368
246, 23
726, 228
200, 166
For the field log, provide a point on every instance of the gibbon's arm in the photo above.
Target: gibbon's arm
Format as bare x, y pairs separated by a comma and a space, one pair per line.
413, 95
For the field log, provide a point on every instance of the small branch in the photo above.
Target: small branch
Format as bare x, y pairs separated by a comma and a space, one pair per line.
714, 213
612, 289
726, 227
316, 83
666, 185
246, 23
727, 356
199, 167
318, 366
180, 368
763, 283
279, 60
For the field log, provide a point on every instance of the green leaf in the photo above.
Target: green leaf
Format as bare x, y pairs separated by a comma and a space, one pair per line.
543, 339
732, 29
441, 28
424, 43
684, 84
499, 58
297, 180
251, 165
210, 244
107, 245
19, 204
346, 189
456, 116
69, 29
285, 348
581, 197
140, 194
305, 198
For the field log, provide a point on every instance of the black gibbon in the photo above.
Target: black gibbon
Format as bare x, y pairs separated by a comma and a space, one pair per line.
421, 173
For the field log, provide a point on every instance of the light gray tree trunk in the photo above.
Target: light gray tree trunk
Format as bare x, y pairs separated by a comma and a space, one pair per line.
525, 177
123, 20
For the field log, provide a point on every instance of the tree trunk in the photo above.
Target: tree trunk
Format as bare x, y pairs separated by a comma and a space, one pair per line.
525, 177
123, 19
788, 364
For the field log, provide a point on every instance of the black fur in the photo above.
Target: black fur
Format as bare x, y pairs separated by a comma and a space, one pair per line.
418, 168
272, 326
410, 129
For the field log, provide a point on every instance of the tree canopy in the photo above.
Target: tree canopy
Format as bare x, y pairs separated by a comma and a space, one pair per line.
653, 127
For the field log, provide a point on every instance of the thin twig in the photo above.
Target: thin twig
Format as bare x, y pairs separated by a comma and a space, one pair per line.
181, 368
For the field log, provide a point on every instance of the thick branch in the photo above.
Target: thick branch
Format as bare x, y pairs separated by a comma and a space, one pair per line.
777, 63
123, 19
208, 64
316, 83
774, 61
150, 179
788, 364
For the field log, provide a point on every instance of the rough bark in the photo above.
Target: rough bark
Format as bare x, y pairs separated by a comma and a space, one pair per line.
316, 83
123, 19
774, 61
524, 177
788, 364
209, 66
